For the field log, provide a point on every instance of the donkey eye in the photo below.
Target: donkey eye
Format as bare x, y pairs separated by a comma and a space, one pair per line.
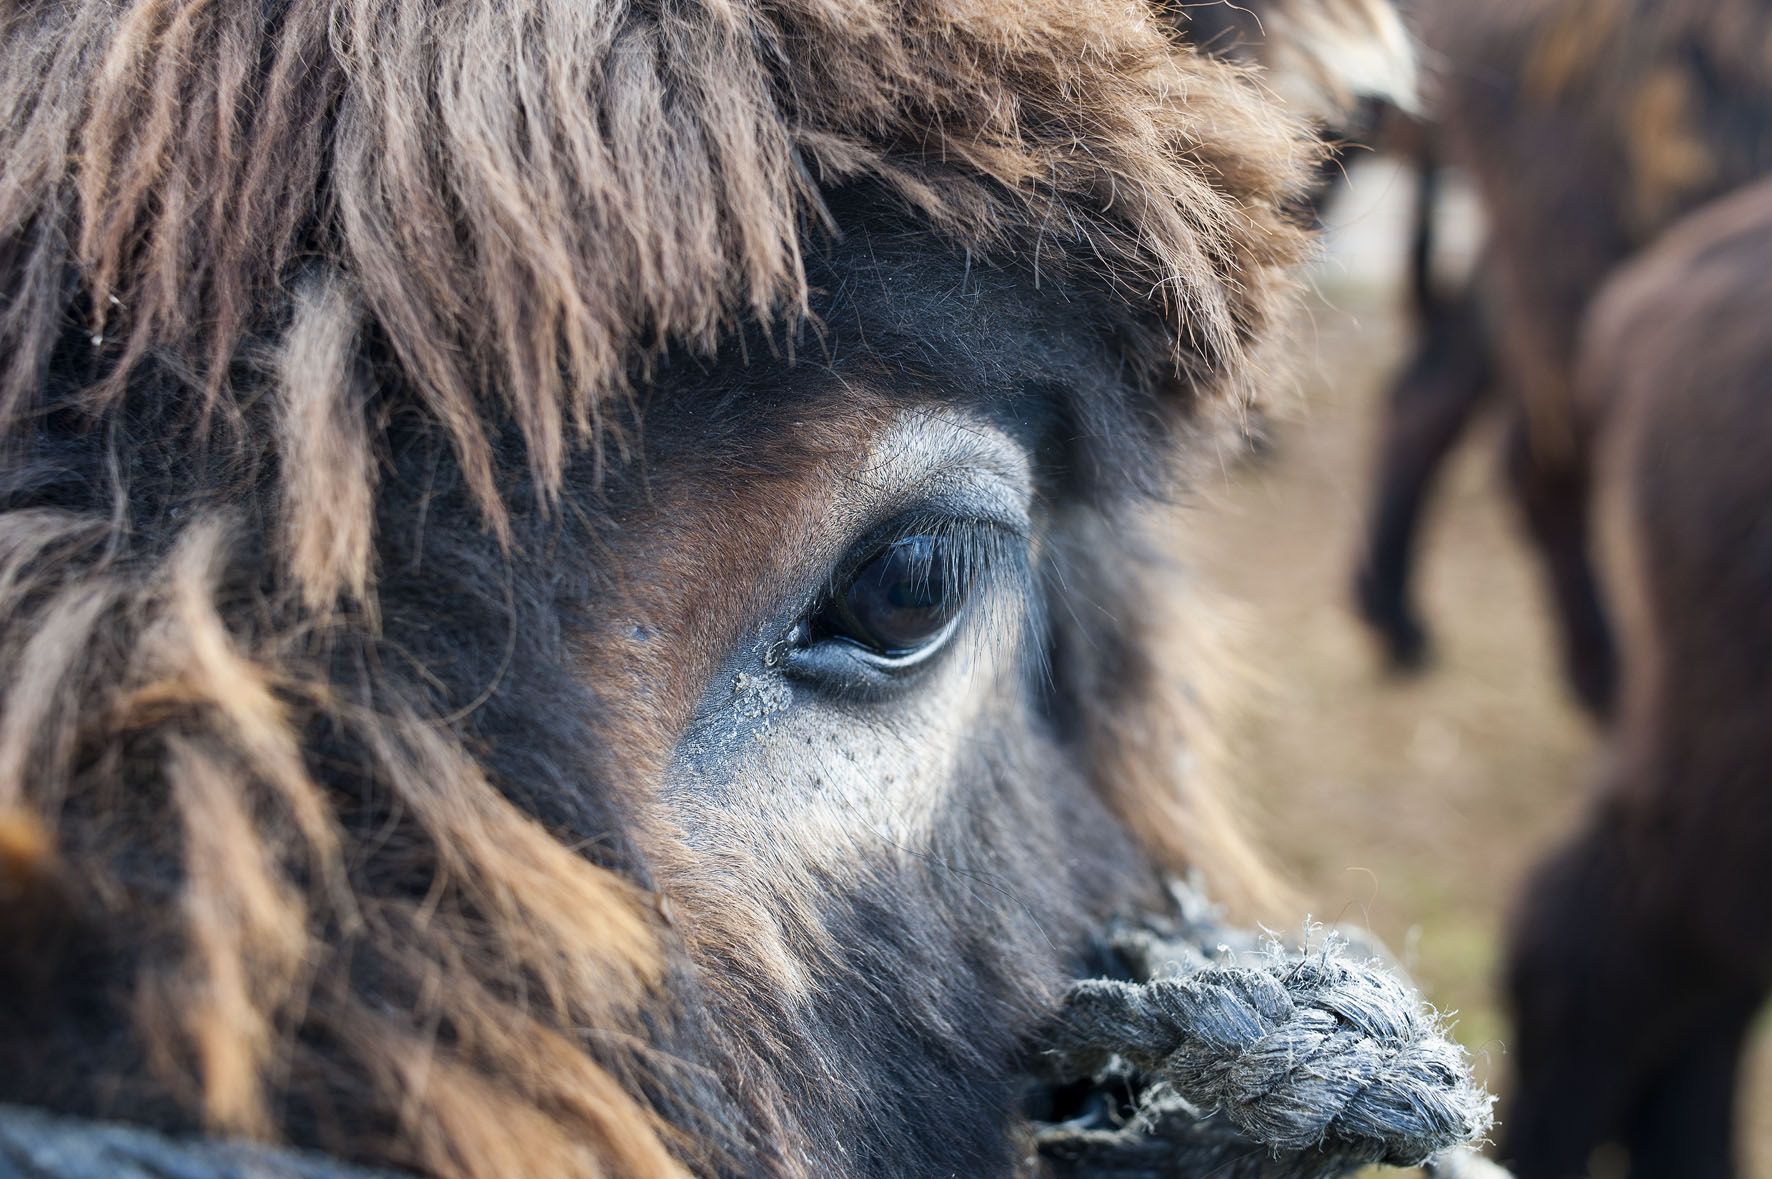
899, 605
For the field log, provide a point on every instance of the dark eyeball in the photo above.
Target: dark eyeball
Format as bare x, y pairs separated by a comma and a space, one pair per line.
900, 601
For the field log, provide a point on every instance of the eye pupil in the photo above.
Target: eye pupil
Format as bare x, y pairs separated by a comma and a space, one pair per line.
900, 600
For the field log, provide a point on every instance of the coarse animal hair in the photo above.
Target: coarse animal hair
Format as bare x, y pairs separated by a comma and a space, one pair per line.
246, 250
1653, 902
1587, 129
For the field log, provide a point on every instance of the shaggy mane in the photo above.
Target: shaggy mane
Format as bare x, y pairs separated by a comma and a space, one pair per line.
236, 241
528, 201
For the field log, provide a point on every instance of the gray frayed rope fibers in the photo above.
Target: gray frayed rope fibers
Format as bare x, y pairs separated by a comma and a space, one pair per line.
1235, 1058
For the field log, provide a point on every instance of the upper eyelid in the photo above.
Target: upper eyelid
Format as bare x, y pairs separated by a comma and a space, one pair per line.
969, 471
968, 529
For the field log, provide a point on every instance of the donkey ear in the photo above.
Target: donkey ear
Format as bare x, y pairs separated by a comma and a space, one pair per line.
1325, 56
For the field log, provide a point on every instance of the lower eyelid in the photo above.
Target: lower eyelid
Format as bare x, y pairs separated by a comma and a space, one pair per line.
847, 672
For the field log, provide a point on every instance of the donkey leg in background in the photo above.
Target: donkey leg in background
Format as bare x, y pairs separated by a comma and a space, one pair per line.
1628, 1027
1430, 405
1573, 980
1553, 498
1684, 1123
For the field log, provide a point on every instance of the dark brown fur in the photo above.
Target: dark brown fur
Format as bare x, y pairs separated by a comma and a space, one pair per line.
1587, 128
1640, 954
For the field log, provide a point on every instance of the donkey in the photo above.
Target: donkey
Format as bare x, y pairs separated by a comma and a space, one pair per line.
570, 592
1587, 128
1640, 954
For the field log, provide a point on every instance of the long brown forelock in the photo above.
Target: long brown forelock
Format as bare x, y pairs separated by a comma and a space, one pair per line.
478, 188
502, 242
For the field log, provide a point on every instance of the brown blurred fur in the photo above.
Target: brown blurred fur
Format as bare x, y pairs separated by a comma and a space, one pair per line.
1587, 128
1640, 954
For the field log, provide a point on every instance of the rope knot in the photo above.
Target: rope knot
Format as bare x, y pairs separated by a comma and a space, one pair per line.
1318, 1061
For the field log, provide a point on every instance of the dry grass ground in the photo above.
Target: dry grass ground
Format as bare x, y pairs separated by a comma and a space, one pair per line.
1409, 806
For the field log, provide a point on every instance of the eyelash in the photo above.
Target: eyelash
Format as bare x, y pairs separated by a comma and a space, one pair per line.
985, 550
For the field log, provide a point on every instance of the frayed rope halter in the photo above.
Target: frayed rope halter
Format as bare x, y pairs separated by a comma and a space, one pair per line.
1221, 1054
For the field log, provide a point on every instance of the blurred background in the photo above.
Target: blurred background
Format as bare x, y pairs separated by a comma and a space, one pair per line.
1410, 804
